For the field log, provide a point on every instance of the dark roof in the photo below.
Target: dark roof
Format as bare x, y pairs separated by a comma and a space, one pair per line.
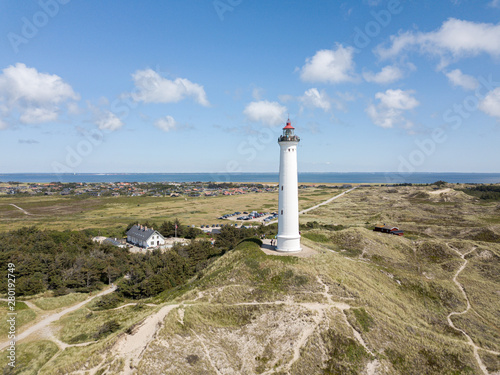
141, 232
386, 227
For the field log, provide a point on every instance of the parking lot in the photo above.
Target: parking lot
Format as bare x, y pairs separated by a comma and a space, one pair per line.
254, 216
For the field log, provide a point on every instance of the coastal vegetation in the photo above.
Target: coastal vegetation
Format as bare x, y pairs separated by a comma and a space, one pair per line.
361, 301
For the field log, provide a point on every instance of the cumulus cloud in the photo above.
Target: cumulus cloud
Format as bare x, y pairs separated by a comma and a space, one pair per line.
388, 74
166, 123
455, 38
107, 120
390, 109
152, 88
330, 66
35, 97
38, 115
491, 103
269, 113
457, 78
316, 99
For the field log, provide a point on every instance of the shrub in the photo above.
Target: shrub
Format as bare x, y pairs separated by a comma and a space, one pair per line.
254, 240
106, 329
108, 301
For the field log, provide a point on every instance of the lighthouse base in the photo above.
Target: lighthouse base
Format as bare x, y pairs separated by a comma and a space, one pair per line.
288, 244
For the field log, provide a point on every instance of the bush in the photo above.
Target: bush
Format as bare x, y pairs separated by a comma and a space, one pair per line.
106, 329
62, 291
254, 240
108, 301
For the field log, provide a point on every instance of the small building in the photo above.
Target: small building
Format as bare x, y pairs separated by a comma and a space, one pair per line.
388, 229
144, 237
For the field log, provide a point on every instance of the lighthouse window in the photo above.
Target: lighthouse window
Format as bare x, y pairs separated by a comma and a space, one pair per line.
282, 212
282, 188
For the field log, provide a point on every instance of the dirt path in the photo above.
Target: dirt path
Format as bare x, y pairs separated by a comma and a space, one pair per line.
327, 201
132, 346
207, 353
133, 304
450, 322
44, 323
318, 205
19, 208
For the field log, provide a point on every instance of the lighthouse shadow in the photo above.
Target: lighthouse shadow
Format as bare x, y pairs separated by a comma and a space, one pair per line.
266, 245
306, 251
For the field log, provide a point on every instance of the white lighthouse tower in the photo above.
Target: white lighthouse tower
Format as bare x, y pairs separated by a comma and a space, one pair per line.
288, 206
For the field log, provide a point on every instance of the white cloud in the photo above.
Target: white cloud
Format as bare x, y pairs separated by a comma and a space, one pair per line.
36, 97
388, 74
389, 112
3, 124
456, 39
37, 115
457, 78
316, 99
329, 66
397, 99
491, 103
152, 88
166, 123
269, 113
107, 120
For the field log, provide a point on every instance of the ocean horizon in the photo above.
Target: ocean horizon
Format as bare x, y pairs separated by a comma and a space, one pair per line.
304, 177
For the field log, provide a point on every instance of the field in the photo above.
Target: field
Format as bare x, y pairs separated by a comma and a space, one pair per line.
365, 303
113, 214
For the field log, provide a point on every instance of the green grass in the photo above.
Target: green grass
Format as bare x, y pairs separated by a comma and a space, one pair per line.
53, 303
364, 320
30, 357
316, 237
108, 213
84, 325
24, 316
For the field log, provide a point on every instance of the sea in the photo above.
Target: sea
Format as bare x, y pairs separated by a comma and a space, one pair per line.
304, 177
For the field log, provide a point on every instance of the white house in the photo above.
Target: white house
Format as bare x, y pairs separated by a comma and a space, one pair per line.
144, 237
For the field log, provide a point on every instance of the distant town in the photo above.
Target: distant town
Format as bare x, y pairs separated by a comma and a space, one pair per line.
135, 189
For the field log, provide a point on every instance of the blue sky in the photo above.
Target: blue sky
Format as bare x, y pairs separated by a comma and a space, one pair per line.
206, 86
